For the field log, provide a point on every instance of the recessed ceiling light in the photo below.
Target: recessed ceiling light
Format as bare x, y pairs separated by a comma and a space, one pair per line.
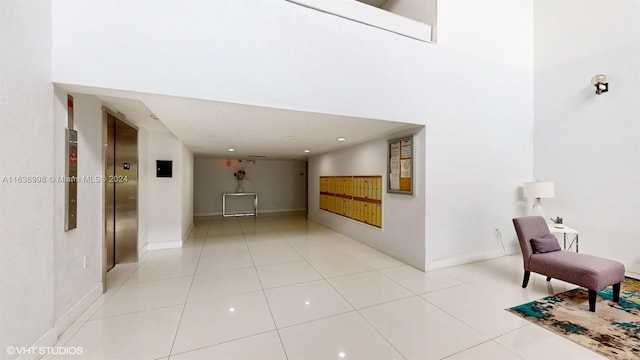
342, 139
307, 150
341, 354
232, 309
231, 149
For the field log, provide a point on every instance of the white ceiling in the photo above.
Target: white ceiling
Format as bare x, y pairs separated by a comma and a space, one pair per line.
210, 128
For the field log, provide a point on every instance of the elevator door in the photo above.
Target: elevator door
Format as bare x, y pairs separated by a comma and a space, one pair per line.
121, 193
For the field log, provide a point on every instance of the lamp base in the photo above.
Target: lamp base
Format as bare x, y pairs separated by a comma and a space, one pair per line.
537, 209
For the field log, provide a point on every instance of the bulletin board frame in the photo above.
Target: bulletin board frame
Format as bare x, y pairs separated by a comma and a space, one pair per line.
400, 165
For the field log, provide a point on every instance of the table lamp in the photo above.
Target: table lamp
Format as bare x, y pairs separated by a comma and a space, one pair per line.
538, 190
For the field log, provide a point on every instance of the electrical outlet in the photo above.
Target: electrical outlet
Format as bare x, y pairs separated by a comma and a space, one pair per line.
498, 234
84, 262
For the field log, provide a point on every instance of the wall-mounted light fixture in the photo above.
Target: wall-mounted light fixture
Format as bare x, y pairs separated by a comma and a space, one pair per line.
601, 84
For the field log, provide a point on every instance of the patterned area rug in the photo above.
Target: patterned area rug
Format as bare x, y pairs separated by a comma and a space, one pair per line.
613, 330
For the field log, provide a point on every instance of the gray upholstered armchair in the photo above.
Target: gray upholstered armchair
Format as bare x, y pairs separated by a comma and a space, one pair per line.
541, 254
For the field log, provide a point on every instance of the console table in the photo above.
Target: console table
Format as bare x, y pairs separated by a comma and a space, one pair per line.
243, 213
565, 230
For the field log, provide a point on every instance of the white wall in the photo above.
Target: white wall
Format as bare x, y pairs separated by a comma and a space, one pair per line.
166, 219
145, 171
474, 90
280, 184
187, 191
403, 232
26, 210
479, 143
72, 282
589, 144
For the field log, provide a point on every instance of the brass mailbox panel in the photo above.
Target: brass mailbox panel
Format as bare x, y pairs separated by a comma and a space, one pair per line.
355, 197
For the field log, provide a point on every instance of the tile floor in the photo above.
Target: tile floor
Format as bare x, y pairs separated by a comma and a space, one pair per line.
282, 287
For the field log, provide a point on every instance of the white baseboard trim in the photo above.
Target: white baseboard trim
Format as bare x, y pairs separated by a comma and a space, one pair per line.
471, 258
164, 245
78, 309
187, 233
279, 211
214, 213
143, 252
49, 339
260, 211
632, 267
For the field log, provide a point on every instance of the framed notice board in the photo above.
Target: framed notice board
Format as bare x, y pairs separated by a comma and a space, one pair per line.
400, 153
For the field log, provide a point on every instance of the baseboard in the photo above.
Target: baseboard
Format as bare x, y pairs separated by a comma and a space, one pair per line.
143, 252
470, 258
270, 211
164, 245
260, 211
214, 213
76, 310
49, 339
186, 234
632, 267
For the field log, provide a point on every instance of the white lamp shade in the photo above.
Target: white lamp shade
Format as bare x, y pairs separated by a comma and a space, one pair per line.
539, 189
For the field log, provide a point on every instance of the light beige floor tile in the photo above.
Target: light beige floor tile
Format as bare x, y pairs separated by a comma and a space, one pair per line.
507, 290
142, 335
348, 244
224, 283
224, 245
369, 288
346, 336
420, 282
300, 303
377, 260
147, 295
294, 257
316, 249
265, 346
216, 320
222, 262
159, 268
480, 310
339, 265
288, 273
419, 330
273, 252
489, 350
482, 269
189, 249
533, 342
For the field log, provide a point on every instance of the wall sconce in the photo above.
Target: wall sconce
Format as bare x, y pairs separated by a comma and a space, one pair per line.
601, 84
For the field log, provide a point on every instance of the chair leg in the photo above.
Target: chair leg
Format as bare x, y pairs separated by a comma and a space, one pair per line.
592, 300
525, 281
616, 292
548, 278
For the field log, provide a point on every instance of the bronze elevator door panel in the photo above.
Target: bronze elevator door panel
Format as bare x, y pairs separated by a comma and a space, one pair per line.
109, 237
125, 182
121, 193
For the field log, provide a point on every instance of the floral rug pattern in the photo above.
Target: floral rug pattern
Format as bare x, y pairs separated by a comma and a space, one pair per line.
613, 330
